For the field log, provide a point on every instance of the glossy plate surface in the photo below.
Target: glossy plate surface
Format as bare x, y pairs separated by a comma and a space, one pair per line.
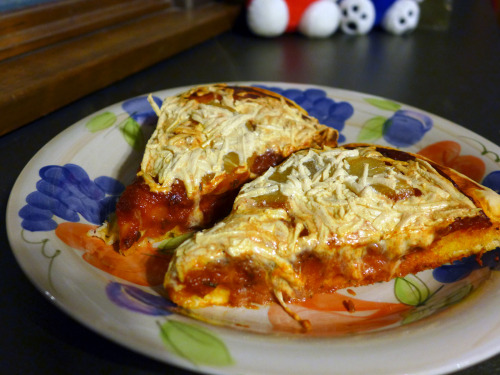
437, 321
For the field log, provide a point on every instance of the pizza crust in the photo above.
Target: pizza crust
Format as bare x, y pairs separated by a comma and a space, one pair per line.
335, 218
208, 142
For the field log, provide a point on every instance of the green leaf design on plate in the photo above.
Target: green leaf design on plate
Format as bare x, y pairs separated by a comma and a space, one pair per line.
169, 244
458, 295
383, 104
484, 151
437, 303
132, 133
49, 256
195, 343
418, 314
101, 121
410, 290
372, 129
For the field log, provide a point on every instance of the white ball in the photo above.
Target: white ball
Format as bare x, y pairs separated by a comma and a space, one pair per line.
402, 17
357, 16
268, 18
320, 20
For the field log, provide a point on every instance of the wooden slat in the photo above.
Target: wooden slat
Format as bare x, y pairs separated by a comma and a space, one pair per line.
37, 83
36, 27
48, 12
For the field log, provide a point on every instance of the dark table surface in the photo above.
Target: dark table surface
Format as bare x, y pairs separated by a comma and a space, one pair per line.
454, 73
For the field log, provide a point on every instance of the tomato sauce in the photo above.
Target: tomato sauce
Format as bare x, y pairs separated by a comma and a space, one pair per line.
466, 223
395, 154
205, 98
262, 163
248, 283
142, 212
241, 92
215, 207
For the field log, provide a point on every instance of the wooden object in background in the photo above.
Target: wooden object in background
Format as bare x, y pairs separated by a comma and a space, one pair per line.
39, 26
38, 82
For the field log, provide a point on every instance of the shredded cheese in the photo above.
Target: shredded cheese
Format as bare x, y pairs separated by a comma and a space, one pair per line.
346, 199
192, 138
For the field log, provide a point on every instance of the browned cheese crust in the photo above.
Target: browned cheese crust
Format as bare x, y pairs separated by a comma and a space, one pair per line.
209, 141
335, 218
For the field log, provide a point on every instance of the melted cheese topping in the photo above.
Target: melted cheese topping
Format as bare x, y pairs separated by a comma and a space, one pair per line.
197, 140
335, 202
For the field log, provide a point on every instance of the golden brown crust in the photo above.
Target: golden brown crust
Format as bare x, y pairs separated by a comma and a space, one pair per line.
331, 219
209, 141
250, 285
482, 196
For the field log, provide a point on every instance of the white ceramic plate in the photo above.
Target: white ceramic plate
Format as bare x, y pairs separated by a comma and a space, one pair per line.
433, 323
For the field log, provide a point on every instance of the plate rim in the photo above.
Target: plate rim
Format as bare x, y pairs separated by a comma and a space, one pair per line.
10, 224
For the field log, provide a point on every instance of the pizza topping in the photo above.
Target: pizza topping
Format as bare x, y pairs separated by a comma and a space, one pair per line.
349, 305
353, 213
140, 208
464, 223
219, 128
208, 142
261, 163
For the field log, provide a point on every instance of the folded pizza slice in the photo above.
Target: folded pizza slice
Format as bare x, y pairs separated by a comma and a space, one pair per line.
209, 141
334, 218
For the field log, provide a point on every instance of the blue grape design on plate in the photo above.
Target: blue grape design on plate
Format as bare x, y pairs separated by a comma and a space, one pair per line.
462, 268
492, 180
136, 299
317, 104
403, 129
68, 192
141, 111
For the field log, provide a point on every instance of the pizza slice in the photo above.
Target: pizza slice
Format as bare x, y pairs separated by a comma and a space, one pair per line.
209, 141
330, 219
